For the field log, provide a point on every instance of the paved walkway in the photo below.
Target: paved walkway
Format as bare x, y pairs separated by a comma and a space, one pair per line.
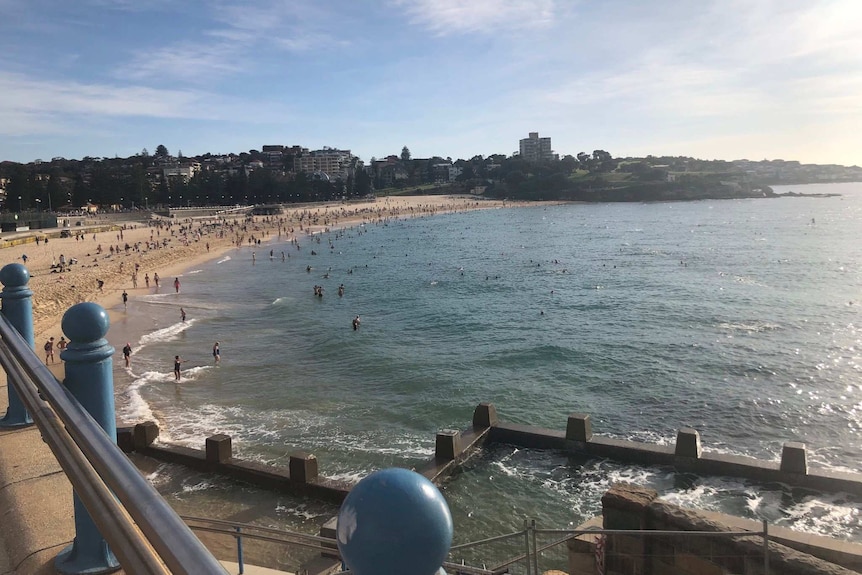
35, 501
36, 504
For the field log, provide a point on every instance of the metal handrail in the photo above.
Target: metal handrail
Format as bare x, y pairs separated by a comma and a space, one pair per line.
105, 510
240, 531
175, 544
533, 550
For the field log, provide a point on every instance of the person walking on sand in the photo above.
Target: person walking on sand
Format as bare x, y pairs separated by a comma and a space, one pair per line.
178, 362
49, 350
125, 299
127, 354
177, 284
61, 346
216, 353
147, 279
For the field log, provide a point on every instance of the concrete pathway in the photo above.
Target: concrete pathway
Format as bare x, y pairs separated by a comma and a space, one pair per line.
36, 511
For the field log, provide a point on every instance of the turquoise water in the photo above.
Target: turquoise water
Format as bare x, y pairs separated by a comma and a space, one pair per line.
738, 318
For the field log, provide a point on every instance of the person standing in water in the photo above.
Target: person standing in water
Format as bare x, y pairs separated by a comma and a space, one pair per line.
356, 322
125, 299
127, 354
216, 352
177, 284
182, 314
178, 362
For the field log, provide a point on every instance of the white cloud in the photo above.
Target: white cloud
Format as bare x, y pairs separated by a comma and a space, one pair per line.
737, 62
42, 106
445, 17
186, 61
233, 40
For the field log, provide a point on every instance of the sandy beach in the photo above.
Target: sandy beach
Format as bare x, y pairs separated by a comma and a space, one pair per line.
168, 247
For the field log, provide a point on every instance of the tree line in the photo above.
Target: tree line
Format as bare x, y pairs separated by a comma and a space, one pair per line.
137, 181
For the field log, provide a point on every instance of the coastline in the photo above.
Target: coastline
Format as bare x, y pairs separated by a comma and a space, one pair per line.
187, 244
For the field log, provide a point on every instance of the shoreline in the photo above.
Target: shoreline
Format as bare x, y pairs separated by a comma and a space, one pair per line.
172, 248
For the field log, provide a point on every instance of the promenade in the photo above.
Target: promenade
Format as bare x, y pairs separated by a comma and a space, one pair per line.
35, 501
36, 505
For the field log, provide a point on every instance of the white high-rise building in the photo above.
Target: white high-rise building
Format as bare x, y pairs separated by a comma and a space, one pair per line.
536, 149
334, 163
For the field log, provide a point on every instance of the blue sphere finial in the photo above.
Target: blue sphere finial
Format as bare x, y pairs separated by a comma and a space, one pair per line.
85, 322
394, 522
14, 275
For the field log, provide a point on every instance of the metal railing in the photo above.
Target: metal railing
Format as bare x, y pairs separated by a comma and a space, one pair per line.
528, 553
322, 545
145, 534
532, 557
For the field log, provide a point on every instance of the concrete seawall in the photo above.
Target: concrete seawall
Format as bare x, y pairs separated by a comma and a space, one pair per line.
687, 455
453, 447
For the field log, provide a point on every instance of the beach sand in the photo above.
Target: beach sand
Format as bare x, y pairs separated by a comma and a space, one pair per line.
188, 243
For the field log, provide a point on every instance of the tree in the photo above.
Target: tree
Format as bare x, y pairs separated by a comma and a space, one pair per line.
584, 160
569, 164
20, 186
54, 191
466, 173
603, 162
405, 154
161, 151
362, 183
515, 178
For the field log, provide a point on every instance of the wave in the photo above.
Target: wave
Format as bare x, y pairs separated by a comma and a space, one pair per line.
223, 260
134, 408
170, 333
154, 297
753, 326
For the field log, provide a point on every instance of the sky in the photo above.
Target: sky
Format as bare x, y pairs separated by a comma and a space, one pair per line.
712, 79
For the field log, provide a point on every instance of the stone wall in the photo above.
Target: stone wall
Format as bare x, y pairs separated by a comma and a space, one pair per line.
629, 507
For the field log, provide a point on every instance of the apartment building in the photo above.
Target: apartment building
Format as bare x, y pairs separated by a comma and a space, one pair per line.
535, 149
330, 161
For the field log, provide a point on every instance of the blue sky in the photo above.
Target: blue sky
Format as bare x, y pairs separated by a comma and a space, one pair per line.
722, 79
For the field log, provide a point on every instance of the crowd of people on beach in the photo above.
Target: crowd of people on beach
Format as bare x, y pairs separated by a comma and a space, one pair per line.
98, 268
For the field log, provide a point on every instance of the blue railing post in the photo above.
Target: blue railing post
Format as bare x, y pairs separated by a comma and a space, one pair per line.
90, 380
394, 521
17, 306
239, 558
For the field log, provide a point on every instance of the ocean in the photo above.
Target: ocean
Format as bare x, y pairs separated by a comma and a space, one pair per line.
739, 318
